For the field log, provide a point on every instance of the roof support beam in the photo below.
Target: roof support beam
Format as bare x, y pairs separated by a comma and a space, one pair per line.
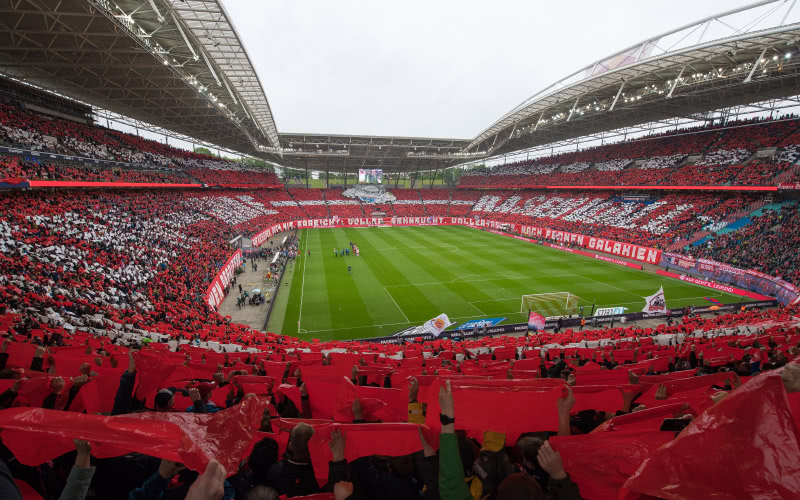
788, 11
675, 83
574, 107
541, 115
210, 68
185, 38
158, 12
616, 97
755, 65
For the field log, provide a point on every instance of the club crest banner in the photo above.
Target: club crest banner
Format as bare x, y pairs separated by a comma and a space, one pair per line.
438, 324
656, 303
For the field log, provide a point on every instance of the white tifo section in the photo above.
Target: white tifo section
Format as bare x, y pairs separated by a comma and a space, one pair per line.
655, 217
231, 210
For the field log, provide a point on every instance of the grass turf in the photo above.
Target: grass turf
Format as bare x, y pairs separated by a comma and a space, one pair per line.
407, 275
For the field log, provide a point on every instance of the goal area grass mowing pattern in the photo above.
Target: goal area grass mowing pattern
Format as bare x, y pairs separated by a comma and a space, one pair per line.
408, 275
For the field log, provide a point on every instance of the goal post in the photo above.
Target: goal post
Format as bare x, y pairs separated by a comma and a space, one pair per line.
550, 304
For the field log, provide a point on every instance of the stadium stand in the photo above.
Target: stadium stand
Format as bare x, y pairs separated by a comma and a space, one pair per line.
41, 133
340, 206
767, 243
727, 164
109, 342
408, 203
98, 288
436, 201
312, 201
558, 412
11, 167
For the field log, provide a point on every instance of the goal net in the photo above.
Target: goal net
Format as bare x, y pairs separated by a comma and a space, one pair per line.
550, 304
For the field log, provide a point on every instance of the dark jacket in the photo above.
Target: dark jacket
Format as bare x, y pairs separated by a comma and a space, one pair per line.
293, 478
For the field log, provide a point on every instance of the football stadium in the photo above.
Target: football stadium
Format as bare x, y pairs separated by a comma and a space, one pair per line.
518, 251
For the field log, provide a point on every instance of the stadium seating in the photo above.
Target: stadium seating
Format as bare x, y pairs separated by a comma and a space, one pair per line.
340, 206
112, 281
26, 129
312, 201
436, 201
768, 243
16, 168
725, 155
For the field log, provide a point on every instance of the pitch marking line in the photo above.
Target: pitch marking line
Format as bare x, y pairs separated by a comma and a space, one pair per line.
303, 284
396, 305
496, 276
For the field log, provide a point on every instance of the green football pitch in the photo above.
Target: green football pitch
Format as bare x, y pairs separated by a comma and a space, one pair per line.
408, 275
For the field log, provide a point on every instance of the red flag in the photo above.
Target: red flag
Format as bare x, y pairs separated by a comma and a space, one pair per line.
293, 393
695, 390
599, 463
97, 396
602, 377
362, 440
377, 403
153, 371
753, 427
322, 396
512, 410
649, 419
36, 435
597, 397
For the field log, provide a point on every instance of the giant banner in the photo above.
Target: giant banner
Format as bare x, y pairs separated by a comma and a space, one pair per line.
215, 293
750, 280
267, 233
618, 248
715, 286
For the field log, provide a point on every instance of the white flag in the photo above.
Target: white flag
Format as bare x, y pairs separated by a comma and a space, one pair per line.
656, 303
436, 325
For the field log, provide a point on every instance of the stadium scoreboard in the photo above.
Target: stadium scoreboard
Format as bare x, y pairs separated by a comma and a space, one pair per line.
370, 176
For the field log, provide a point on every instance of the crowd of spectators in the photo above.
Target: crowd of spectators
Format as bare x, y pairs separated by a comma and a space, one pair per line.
42, 133
725, 153
768, 243
103, 313
588, 414
15, 168
651, 221
340, 206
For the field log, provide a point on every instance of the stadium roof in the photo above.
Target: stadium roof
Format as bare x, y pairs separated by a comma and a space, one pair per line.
352, 152
706, 65
177, 64
180, 65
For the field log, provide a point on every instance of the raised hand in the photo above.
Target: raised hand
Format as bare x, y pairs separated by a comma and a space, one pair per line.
566, 401
337, 444
551, 462
358, 413
413, 389
57, 385
84, 449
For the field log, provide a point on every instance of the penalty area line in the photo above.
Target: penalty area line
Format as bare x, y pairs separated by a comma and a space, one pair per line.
396, 305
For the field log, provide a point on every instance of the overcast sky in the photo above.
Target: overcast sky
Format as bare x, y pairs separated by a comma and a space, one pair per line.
432, 68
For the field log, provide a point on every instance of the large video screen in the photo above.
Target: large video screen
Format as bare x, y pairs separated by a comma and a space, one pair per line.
370, 176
